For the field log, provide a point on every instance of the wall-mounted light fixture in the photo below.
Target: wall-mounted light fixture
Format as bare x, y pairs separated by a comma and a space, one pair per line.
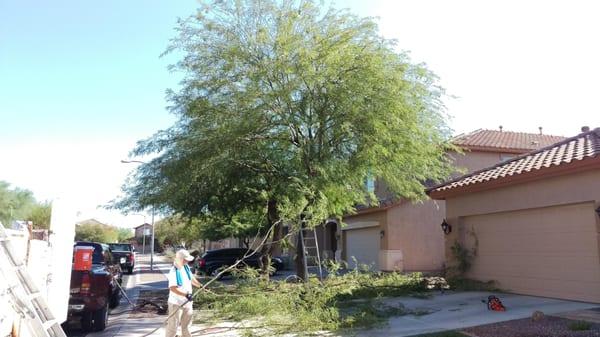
446, 227
381, 234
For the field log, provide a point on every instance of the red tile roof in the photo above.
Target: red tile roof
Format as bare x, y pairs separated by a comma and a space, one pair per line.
583, 147
494, 140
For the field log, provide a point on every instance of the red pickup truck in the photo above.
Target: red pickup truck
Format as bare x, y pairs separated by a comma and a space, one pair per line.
93, 292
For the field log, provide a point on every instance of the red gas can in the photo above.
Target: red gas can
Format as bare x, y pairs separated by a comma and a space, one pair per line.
83, 258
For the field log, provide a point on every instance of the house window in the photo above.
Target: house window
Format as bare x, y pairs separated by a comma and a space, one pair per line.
370, 184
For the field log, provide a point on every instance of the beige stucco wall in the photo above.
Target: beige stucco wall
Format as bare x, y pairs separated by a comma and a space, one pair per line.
578, 188
414, 229
475, 160
565, 189
413, 237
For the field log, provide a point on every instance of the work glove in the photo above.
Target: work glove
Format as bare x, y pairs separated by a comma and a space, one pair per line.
189, 296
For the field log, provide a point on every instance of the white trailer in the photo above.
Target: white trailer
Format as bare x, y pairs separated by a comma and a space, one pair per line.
48, 265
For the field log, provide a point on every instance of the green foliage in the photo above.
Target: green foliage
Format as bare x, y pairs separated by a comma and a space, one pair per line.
463, 257
247, 274
95, 231
288, 102
15, 203
19, 204
580, 326
346, 301
176, 230
40, 215
124, 234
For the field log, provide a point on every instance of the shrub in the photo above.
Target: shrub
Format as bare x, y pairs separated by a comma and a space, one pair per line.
463, 256
580, 326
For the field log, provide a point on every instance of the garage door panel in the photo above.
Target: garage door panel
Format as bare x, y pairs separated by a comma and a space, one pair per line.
569, 289
573, 268
563, 228
547, 251
363, 244
561, 243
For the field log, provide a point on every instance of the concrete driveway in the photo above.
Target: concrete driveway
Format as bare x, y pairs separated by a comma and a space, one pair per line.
460, 310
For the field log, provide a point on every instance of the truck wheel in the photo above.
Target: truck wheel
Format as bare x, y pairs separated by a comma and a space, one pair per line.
100, 319
86, 321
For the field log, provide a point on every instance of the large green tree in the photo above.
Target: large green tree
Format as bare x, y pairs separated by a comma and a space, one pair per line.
95, 231
285, 110
176, 230
124, 234
40, 215
19, 204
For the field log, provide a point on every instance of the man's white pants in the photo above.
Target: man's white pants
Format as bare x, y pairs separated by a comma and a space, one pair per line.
183, 318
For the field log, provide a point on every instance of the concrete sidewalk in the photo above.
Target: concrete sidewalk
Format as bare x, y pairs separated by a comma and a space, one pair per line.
464, 309
121, 320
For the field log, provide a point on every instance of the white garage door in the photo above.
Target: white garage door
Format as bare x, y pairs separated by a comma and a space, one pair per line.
551, 252
363, 244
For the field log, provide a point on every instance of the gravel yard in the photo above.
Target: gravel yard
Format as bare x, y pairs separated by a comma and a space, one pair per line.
548, 326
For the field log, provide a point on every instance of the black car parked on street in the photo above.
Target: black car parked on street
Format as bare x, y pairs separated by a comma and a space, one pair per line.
124, 254
214, 260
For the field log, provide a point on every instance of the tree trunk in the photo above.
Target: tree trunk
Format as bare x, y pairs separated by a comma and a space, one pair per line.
274, 244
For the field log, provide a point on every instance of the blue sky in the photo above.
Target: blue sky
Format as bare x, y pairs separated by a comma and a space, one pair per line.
82, 81
77, 69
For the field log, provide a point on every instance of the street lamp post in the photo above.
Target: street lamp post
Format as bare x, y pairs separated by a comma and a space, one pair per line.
152, 236
144, 240
152, 243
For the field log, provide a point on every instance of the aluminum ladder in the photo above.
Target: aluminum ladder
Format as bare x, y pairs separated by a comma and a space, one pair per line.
24, 295
312, 257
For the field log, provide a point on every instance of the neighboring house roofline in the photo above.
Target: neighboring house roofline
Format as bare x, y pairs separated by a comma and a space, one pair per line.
483, 140
91, 221
503, 141
553, 171
470, 148
372, 209
144, 224
571, 164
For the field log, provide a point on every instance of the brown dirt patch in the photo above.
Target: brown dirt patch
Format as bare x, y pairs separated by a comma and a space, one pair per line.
549, 326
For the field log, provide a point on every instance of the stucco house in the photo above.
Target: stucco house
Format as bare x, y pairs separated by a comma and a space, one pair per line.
406, 236
143, 229
533, 221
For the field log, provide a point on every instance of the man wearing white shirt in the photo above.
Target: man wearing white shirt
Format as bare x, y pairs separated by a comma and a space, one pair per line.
181, 281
